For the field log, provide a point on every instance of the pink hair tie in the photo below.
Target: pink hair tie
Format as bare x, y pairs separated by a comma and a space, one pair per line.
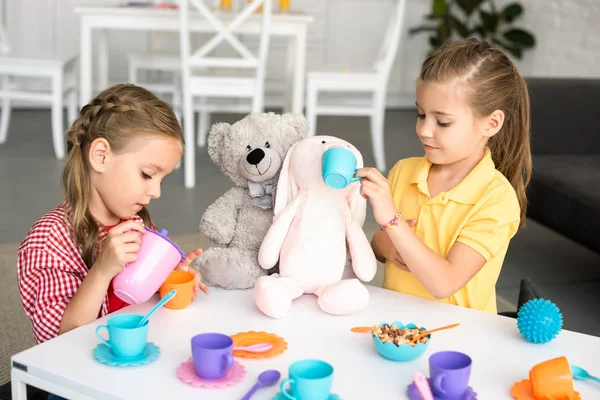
393, 222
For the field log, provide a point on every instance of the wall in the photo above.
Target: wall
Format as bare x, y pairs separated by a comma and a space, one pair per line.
346, 34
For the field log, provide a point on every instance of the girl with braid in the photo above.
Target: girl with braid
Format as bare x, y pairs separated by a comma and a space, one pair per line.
120, 148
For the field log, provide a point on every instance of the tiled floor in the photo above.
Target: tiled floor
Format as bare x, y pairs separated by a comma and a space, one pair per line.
30, 185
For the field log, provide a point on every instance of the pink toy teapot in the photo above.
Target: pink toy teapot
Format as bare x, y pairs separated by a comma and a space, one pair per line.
157, 257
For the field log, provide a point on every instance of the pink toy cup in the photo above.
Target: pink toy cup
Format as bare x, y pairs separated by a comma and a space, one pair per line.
157, 257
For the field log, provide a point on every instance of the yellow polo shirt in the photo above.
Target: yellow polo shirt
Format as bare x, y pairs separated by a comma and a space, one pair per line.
482, 212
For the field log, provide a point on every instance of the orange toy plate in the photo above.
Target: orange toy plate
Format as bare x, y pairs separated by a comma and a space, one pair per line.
252, 337
524, 391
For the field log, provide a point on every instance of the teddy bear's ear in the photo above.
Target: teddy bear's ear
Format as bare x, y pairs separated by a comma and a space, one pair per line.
216, 141
300, 124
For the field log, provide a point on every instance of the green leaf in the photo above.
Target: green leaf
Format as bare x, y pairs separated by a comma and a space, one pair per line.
511, 12
468, 6
490, 21
439, 8
460, 27
422, 28
478, 30
431, 17
514, 50
520, 37
435, 41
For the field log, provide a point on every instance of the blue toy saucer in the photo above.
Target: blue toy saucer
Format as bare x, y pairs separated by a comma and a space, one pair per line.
281, 396
104, 354
413, 394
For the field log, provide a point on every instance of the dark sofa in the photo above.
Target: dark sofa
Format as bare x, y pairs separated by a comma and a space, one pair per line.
564, 193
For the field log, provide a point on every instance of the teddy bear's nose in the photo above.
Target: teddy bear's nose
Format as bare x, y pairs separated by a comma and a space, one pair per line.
255, 156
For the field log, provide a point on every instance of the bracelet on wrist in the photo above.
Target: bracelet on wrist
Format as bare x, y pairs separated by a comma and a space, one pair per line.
393, 223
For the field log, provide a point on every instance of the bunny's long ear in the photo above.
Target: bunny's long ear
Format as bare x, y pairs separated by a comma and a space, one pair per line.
287, 189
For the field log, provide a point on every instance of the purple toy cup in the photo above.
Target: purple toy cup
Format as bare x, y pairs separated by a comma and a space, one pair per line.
212, 354
449, 373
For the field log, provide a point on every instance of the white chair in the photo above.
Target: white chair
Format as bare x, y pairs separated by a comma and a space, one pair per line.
374, 82
61, 71
199, 82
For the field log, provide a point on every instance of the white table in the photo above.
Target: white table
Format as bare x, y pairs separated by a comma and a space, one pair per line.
101, 18
500, 355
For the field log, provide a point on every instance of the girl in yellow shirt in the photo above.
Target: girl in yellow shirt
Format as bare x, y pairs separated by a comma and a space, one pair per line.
465, 199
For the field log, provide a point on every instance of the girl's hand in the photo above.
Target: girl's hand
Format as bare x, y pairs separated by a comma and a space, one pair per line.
120, 247
375, 187
386, 248
185, 266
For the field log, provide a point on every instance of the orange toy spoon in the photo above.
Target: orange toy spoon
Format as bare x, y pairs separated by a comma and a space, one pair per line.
425, 333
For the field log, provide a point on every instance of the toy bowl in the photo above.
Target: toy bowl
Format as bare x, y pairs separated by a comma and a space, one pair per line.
404, 352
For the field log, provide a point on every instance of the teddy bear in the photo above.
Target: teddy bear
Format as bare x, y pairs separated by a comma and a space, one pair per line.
250, 152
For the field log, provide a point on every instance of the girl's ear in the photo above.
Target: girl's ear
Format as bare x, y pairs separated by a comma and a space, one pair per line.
493, 123
99, 150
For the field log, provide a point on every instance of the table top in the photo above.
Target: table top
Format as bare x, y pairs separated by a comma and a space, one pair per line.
500, 355
118, 9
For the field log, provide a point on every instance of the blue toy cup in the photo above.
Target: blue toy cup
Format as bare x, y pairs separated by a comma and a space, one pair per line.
309, 380
124, 337
339, 167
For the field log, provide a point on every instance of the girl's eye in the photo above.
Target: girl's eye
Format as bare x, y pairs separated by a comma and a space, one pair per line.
145, 175
421, 116
443, 124
248, 148
267, 145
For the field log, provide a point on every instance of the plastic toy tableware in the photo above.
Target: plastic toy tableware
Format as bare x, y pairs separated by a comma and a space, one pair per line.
449, 373
406, 352
158, 305
212, 354
125, 338
183, 282
550, 379
267, 378
255, 348
423, 386
309, 380
580, 374
338, 167
157, 257
425, 333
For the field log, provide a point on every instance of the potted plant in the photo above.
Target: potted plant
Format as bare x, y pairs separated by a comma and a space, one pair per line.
450, 19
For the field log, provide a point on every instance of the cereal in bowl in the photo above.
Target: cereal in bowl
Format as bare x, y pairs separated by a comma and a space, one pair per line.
398, 336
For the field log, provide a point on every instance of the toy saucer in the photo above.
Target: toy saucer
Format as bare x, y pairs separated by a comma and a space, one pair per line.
251, 337
104, 354
186, 373
524, 391
281, 396
414, 394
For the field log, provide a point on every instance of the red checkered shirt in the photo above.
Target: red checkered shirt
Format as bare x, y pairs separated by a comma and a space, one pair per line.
50, 270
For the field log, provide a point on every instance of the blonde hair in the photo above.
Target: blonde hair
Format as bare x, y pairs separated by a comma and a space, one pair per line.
118, 114
492, 83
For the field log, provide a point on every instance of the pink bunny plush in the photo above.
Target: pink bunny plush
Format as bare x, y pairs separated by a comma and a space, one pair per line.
311, 225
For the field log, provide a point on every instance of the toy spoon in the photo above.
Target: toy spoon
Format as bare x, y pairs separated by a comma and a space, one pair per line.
422, 386
158, 305
580, 373
255, 348
425, 333
265, 379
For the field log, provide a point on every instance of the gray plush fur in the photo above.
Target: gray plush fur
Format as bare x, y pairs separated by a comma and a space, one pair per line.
252, 149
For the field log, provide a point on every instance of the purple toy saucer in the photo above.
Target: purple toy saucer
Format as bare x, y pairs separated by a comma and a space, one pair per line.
414, 394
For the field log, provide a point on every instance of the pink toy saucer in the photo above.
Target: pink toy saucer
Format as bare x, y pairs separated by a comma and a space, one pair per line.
186, 373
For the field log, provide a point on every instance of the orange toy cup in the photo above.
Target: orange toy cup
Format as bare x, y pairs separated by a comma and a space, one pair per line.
183, 282
552, 379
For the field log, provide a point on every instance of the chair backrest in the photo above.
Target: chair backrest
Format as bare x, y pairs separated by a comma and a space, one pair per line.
225, 32
4, 44
391, 41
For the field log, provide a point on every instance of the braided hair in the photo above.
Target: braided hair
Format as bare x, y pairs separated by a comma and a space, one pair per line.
118, 114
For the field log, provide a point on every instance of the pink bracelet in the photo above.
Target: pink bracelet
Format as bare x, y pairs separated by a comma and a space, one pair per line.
393, 222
